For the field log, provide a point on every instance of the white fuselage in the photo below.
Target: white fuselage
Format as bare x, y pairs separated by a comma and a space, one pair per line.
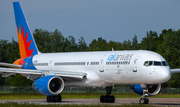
106, 68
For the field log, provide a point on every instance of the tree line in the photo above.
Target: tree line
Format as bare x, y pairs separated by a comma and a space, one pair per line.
166, 44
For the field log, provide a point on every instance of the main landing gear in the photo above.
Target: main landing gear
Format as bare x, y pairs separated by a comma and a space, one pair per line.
56, 98
107, 98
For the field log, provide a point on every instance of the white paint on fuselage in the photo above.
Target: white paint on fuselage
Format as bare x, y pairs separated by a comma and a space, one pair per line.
105, 75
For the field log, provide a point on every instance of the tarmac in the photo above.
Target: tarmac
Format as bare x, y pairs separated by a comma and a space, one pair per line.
95, 101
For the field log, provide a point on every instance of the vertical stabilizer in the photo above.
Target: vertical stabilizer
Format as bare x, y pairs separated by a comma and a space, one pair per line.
27, 45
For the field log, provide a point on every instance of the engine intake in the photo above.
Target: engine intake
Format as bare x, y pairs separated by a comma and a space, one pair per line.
150, 90
49, 85
153, 89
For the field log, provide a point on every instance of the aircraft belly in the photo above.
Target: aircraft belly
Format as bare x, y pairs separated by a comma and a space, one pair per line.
112, 75
93, 80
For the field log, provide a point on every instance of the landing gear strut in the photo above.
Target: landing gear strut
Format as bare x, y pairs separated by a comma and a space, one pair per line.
107, 98
56, 98
144, 100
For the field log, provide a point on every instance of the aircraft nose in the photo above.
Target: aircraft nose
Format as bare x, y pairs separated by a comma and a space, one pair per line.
163, 74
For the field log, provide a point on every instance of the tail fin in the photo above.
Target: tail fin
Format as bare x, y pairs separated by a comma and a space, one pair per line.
27, 45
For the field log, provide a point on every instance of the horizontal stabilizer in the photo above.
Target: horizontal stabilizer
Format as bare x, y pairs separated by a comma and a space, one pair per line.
10, 65
7, 74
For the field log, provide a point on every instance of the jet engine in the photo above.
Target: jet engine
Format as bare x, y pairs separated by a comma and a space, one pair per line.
150, 90
49, 85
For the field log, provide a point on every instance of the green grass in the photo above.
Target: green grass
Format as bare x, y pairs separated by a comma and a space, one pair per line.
70, 105
80, 95
21, 96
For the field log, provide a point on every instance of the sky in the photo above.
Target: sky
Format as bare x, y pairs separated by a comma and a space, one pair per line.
113, 20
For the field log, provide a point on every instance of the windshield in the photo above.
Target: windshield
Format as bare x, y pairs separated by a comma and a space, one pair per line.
165, 63
155, 63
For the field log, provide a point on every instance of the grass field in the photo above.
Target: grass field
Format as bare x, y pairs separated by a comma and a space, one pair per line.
78, 95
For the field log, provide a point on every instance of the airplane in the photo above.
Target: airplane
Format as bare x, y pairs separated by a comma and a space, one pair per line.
144, 70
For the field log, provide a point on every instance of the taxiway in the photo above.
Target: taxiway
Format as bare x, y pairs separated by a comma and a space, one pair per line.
95, 101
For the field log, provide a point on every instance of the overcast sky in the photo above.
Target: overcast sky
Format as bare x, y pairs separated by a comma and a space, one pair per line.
115, 20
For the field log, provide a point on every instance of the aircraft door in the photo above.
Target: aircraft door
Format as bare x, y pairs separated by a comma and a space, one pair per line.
102, 63
135, 62
50, 65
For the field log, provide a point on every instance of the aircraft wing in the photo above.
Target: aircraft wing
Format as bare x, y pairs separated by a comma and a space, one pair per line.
38, 73
175, 70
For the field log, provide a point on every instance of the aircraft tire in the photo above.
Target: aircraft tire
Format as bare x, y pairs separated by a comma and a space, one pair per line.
102, 98
144, 101
56, 98
107, 99
112, 99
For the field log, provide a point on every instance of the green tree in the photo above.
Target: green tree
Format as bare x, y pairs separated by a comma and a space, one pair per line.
57, 41
135, 45
43, 40
82, 45
99, 45
172, 46
150, 41
71, 45
169, 48
114, 45
19, 80
126, 45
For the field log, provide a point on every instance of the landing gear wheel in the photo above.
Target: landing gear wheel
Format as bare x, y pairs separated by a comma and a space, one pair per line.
144, 101
107, 99
56, 98
102, 98
112, 99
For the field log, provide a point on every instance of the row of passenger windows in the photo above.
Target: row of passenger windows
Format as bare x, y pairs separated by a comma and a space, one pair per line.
118, 63
69, 63
155, 63
94, 63
39, 64
83, 63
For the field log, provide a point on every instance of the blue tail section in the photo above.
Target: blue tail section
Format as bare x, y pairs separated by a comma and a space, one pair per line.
27, 44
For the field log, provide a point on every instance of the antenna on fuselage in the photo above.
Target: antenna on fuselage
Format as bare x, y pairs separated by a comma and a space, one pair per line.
112, 49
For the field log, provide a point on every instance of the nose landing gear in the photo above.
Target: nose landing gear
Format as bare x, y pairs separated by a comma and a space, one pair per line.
107, 98
144, 101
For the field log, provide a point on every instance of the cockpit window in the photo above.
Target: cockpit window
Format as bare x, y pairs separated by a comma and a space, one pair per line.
165, 63
146, 63
156, 63
150, 63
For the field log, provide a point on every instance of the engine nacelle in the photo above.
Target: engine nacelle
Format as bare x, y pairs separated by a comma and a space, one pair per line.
49, 85
151, 89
